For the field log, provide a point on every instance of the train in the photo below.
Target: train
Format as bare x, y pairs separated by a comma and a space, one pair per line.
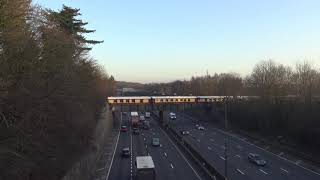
173, 99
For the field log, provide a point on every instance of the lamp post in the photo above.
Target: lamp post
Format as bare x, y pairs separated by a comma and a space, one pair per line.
226, 140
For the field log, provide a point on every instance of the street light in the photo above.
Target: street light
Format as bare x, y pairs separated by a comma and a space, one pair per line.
226, 140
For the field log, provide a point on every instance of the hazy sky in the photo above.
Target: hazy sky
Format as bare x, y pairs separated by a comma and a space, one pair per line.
163, 40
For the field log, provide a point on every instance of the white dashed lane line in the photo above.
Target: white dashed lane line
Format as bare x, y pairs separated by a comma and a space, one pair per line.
165, 154
263, 171
240, 172
222, 158
171, 165
238, 156
209, 148
284, 170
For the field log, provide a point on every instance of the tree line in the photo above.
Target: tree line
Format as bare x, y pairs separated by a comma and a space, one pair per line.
296, 119
268, 79
51, 90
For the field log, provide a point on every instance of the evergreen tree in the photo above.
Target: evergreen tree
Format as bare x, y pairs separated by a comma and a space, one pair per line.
67, 20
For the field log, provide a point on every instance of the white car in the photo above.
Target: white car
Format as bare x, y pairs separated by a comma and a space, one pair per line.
172, 116
142, 118
148, 114
201, 128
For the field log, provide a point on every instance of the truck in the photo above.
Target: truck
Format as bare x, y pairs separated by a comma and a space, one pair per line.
134, 119
145, 168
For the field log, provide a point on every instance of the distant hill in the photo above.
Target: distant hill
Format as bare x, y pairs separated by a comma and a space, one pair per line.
124, 84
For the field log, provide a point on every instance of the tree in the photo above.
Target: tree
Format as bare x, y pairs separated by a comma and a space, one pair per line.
67, 20
270, 79
305, 78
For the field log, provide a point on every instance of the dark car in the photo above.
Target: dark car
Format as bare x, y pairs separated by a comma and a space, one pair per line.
256, 159
124, 129
135, 131
155, 142
125, 152
185, 132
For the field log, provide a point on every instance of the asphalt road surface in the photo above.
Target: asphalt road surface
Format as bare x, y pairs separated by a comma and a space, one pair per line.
211, 143
170, 164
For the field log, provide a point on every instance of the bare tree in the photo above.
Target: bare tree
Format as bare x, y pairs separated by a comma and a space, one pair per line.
305, 77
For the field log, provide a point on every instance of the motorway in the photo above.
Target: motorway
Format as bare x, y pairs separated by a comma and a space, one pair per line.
211, 143
170, 164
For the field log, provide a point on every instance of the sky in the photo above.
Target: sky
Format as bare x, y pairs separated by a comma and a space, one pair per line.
164, 40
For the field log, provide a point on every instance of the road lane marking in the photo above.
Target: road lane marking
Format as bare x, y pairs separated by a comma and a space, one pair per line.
240, 172
100, 169
198, 140
212, 140
280, 157
263, 171
267, 147
171, 165
209, 148
115, 148
284, 170
165, 154
281, 153
222, 158
238, 156
194, 171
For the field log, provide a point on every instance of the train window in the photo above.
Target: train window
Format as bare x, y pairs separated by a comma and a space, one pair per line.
133, 100
115, 101
161, 100
188, 100
121, 100
127, 100
171, 100
185, 100
141, 100
167, 100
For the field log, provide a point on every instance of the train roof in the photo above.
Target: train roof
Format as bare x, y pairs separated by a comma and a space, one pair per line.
129, 97
174, 97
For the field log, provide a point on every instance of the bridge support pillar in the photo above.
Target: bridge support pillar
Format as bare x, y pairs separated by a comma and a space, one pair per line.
161, 116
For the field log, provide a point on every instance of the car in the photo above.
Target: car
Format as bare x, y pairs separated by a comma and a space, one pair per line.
142, 118
185, 132
155, 142
124, 129
201, 128
148, 114
256, 159
172, 116
136, 131
125, 152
